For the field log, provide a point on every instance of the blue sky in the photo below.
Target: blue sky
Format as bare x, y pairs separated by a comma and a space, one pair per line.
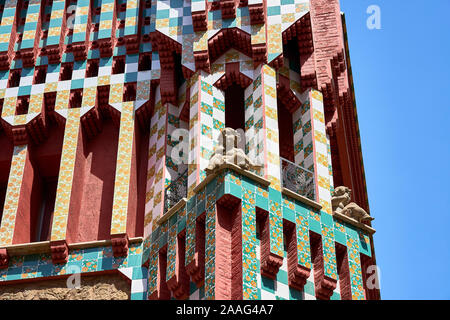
402, 83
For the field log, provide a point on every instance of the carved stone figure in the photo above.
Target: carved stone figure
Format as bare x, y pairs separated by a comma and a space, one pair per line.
340, 201
227, 151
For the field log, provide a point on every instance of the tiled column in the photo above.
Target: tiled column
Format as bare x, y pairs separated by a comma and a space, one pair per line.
131, 18
81, 31
107, 27
311, 152
7, 33
13, 192
32, 27
66, 172
249, 258
156, 166
107, 19
56, 28
354, 262
207, 119
123, 169
210, 251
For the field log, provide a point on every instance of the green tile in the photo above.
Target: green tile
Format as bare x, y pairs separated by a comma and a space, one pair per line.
262, 202
309, 288
295, 294
282, 276
335, 296
340, 237
267, 284
327, 219
315, 226
288, 214
235, 190
275, 195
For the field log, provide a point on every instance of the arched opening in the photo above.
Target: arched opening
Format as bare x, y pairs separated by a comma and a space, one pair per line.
286, 133
46, 159
234, 107
93, 185
138, 181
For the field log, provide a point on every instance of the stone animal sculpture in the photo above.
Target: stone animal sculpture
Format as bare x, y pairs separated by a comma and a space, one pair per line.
340, 201
227, 151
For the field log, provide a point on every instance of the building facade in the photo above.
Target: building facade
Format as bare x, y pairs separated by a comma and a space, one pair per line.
113, 173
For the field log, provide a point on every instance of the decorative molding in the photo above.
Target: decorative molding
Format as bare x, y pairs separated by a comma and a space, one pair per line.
301, 198
355, 223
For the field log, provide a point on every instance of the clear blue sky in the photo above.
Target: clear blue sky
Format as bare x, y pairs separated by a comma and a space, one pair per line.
402, 84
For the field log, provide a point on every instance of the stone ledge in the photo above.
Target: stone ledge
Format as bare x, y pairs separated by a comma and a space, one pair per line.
301, 198
180, 204
44, 246
355, 223
236, 168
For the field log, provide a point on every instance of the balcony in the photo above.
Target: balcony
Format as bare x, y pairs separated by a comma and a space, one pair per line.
175, 191
297, 179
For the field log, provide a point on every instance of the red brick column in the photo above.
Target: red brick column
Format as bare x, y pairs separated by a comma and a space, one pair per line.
228, 260
179, 283
297, 274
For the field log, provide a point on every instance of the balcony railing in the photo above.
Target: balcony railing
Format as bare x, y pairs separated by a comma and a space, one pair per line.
297, 179
175, 191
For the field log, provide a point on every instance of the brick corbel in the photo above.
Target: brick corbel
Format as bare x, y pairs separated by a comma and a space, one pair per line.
119, 244
202, 60
257, 15
20, 135
59, 251
285, 94
259, 53
232, 75
105, 47
326, 287
228, 8
200, 20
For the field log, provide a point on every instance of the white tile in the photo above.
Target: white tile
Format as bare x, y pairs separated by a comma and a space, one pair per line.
195, 295
139, 285
265, 295
128, 272
131, 67
282, 290
309, 297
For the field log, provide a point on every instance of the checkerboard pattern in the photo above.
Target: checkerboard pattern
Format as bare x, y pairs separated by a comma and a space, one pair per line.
31, 24
80, 27
173, 18
82, 261
281, 14
207, 119
56, 21
107, 17
6, 25
253, 195
155, 177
